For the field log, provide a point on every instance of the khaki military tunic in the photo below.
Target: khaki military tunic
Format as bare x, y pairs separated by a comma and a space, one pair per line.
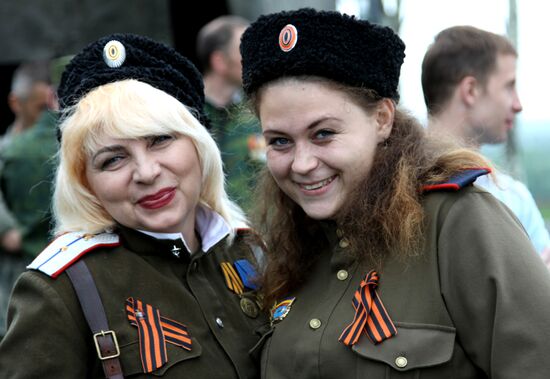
476, 304
48, 336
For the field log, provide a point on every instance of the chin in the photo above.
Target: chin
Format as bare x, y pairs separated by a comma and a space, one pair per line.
164, 226
319, 214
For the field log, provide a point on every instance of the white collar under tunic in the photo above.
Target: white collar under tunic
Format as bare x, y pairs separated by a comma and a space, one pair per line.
210, 225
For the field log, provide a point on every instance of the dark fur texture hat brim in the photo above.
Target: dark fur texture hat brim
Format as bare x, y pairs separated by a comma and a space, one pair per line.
327, 44
145, 60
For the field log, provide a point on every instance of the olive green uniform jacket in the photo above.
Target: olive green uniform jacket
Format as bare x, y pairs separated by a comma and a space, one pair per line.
48, 336
476, 304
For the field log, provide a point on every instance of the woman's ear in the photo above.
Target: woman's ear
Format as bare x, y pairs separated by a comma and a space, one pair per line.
385, 113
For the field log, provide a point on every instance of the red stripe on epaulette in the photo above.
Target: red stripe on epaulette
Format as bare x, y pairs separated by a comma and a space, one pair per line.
243, 231
443, 186
68, 248
70, 263
459, 180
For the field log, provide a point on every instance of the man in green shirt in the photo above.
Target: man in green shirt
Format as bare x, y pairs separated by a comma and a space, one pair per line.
235, 129
26, 181
24, 207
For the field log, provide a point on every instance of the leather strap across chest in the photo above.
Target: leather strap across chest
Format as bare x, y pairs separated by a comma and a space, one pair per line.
104, 338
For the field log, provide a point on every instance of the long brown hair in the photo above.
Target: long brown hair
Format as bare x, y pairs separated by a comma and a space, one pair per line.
383, 216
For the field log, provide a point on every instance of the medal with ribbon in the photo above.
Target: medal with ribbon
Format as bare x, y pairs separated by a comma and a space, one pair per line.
370, 315
154, 331
239, 276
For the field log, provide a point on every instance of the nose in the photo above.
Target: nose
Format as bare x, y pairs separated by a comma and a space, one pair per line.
304, 160
516, 105
146, 169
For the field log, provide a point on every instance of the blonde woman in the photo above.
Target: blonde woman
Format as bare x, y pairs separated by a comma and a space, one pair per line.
142, 213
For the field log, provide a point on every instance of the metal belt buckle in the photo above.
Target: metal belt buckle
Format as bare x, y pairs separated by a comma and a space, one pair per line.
106, 334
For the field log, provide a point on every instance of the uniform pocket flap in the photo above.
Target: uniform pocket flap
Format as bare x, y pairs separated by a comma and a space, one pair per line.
414, 346
131, 359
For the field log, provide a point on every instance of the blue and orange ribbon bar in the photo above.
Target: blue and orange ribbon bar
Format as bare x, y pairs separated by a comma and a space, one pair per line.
239, 276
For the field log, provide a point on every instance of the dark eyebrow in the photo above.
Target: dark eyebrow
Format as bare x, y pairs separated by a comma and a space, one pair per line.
321, 120
312, 124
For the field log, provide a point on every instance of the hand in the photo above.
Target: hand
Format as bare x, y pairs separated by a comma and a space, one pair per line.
11, 241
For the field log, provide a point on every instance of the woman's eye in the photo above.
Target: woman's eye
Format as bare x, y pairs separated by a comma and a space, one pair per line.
278, 141
110, 162
323, 134
159, 140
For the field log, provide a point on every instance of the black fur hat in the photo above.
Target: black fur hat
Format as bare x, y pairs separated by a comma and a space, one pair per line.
128, 56
322, 43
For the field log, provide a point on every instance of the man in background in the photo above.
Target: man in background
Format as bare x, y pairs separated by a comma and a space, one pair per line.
29, 95
234, 128
469, 84
26, 158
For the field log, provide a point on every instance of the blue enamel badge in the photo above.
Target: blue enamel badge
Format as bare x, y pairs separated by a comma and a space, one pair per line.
281, 309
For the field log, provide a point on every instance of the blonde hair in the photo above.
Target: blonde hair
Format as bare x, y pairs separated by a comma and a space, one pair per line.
128, 109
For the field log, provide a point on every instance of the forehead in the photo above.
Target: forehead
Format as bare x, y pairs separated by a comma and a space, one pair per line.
39, 91
235, 41
291, 104
292, 90
505, 66
288, 94
238, 32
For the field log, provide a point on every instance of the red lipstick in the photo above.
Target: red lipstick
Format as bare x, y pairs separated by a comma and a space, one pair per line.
159, 199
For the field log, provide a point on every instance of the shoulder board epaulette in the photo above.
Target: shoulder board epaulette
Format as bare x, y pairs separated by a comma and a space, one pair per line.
69, 248
457, 181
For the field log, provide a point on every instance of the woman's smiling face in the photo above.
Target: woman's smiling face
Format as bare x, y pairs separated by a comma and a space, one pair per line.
321, 144
151, 183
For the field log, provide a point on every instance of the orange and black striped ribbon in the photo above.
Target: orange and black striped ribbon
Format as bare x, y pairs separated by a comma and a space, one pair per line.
152, 344
370, 314
154, 331
232, 278
176, 333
